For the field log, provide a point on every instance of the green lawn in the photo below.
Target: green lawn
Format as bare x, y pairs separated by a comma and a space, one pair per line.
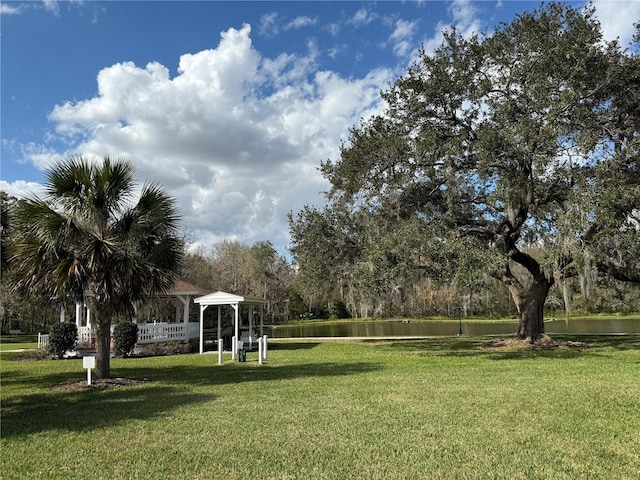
13, 342
435, 408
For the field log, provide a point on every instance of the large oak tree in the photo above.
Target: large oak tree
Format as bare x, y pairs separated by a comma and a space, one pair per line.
506, 145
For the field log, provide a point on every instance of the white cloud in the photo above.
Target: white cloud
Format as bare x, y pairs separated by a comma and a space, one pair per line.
52, 6
333, 29
22, 189
338, 50
235, 137
9, 10
300, 22
363, 17
269, 24
464, 18
617, 19
402, 37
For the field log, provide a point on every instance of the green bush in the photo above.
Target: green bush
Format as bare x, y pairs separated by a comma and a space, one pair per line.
63, 337
337, 309
125, 337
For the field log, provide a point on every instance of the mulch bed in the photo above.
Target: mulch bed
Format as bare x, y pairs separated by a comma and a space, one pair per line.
101, 384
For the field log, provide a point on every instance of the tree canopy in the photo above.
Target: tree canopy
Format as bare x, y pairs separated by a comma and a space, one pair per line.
512, 154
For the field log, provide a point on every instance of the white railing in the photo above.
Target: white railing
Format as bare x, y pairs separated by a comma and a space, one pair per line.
162, 332
43, 341
147, 333
84, 336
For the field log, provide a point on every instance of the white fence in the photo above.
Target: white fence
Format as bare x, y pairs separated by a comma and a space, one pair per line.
162, 332
147, 333
43, 341
84, 336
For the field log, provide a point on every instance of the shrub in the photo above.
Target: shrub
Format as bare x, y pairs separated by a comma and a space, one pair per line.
175, 348
34, 355
337, 309
155, 349
62, 338
125, 337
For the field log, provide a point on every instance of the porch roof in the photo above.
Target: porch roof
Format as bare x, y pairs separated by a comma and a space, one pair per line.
180, 287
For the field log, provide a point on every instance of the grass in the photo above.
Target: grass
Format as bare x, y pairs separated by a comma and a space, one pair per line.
13, 342
434, 408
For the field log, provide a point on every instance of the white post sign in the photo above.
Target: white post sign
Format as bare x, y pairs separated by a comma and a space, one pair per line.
89, 363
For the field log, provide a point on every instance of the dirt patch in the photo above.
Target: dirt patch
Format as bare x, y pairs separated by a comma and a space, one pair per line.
101, 384
544, 342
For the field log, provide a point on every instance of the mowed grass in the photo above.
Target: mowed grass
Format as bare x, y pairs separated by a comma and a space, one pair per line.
433, 408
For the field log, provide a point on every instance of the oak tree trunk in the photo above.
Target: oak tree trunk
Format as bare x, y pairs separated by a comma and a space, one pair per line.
530, 304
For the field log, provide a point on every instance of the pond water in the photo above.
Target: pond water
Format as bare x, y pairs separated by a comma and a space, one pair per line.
399, 328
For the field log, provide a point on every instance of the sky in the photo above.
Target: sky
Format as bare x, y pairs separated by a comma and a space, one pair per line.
231, 106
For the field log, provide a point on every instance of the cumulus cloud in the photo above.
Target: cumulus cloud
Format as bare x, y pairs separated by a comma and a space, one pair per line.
617, 19
22, 189
236, 137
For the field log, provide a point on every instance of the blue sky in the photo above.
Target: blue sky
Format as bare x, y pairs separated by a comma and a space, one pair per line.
230, 105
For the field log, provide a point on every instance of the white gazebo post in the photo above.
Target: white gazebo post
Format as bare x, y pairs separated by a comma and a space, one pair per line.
250, 315
202, 309
220, 343
78, 314
62, 314
236, 329
185, 300
88, 317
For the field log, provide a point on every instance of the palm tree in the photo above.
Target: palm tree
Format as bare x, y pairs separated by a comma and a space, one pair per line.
87, 239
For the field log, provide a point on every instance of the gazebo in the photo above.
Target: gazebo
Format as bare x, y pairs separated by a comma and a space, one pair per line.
180, 330
236, 302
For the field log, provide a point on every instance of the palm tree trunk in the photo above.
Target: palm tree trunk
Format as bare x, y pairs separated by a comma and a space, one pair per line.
103, 348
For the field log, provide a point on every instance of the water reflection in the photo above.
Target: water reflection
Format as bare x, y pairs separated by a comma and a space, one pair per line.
396, 328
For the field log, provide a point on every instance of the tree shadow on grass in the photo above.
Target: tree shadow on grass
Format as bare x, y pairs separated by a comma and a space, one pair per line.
475, 347
86, 410
82, 411
234, 372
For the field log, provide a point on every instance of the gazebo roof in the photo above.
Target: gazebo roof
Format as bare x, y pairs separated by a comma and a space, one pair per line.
224, 298
180, 287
